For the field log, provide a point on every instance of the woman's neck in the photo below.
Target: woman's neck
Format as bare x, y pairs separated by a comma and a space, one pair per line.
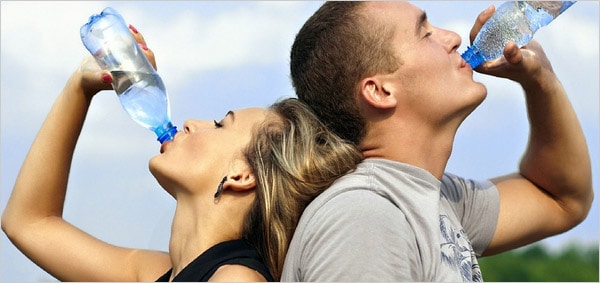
195, 229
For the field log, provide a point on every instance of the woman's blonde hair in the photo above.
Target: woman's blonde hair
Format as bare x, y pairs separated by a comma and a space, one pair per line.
294, 158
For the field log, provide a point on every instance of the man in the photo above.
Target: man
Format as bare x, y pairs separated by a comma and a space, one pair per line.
380, 75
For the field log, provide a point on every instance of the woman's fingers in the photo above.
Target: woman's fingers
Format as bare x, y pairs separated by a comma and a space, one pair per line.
142, 42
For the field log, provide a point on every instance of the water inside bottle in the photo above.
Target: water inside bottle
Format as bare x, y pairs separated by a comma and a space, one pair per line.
507, 26
539, 15
143, 96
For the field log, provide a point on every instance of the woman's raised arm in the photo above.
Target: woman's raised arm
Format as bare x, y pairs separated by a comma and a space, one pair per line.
33, 219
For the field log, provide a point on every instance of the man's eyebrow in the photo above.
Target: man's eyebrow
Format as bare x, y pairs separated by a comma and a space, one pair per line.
420, 22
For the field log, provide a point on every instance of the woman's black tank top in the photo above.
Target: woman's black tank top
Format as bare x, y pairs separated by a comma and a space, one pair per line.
230, 252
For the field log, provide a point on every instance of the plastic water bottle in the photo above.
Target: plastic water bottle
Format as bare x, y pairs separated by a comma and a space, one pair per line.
140, 89
512, 21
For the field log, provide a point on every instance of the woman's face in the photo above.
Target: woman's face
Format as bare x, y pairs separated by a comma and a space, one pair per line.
205, 151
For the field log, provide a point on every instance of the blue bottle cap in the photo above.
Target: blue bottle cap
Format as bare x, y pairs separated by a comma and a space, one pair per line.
166, 134
473, 57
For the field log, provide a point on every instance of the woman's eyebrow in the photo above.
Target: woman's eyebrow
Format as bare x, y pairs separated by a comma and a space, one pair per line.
231, 114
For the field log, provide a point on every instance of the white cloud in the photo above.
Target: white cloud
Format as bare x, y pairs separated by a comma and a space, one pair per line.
44, 33
192, 43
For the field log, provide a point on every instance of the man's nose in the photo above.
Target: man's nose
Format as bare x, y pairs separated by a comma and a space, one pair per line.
451, 40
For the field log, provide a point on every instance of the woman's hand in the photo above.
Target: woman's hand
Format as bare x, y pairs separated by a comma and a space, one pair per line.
142, 42
93, 79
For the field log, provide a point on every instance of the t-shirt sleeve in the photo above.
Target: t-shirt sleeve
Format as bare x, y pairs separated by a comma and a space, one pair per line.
477, 205
351, 238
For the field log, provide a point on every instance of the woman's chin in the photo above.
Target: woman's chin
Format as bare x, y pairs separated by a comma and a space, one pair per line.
162, 180
152, 165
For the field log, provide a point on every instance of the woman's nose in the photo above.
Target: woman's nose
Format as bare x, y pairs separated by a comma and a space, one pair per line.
190, 126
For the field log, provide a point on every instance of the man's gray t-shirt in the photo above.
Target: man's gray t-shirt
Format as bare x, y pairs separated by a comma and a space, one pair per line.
389, 221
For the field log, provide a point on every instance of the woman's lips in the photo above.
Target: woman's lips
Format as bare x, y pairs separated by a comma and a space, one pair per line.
163, 146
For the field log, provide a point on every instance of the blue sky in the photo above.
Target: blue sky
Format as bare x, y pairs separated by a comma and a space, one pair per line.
217, 56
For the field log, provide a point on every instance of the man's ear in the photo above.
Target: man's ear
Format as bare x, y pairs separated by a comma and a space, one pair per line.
377, 92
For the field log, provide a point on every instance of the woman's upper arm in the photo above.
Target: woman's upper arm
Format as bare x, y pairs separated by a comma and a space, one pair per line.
70, 254
236, 273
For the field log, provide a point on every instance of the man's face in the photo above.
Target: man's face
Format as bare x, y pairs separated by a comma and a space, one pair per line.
433, 81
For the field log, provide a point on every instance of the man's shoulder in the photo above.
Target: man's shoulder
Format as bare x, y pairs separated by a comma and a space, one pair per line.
345, 222
366, 190
347, 193
361, 206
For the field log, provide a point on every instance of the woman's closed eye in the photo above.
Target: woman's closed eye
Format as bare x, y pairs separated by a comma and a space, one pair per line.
218, 124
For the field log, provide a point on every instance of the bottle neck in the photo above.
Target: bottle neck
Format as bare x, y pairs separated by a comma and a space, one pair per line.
166, 132
473, 56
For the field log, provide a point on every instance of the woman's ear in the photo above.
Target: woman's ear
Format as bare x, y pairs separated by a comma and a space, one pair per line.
377, 93
240, 179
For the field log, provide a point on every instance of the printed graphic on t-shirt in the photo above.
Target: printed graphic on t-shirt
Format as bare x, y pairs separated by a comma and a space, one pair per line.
457, 252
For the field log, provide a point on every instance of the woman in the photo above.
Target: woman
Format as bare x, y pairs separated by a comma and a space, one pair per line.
240, 185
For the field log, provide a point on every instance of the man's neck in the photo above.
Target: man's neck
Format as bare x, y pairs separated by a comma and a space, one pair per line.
429, 150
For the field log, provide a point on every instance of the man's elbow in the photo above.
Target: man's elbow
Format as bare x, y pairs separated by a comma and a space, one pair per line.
9, 225
579, 208
15, 224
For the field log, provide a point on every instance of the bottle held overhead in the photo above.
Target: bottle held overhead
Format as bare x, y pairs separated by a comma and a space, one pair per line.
140, 89
515, 21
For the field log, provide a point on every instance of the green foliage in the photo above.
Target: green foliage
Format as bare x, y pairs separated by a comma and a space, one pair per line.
573, 263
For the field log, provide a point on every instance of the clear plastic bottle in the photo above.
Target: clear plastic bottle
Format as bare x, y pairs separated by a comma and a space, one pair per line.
513, 21
140, 89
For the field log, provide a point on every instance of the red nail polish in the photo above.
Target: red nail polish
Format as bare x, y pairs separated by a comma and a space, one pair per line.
133, 29
143, 46
107, 78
